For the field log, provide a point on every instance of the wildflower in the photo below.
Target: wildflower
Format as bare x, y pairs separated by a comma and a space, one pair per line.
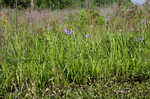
87, 35
68, 32
139, 39
138, 2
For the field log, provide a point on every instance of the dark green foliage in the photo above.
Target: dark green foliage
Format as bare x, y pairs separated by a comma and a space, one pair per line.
55, 4
12, 3
103, 2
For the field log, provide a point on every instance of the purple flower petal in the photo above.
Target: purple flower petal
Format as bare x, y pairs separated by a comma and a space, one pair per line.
139, 39
68, 32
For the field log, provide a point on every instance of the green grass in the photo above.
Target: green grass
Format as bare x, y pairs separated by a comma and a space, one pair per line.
50, 63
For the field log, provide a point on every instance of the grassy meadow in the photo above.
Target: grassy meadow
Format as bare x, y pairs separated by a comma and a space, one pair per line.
75, 54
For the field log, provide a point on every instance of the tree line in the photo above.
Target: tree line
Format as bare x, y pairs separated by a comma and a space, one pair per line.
54, 4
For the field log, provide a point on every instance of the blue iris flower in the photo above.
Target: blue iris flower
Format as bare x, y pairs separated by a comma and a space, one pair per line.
139, 39
68, 32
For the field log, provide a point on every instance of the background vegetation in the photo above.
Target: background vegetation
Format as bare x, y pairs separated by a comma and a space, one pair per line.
59, 4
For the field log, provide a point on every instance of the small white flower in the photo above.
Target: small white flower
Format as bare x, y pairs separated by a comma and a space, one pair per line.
138, 2
87, 35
